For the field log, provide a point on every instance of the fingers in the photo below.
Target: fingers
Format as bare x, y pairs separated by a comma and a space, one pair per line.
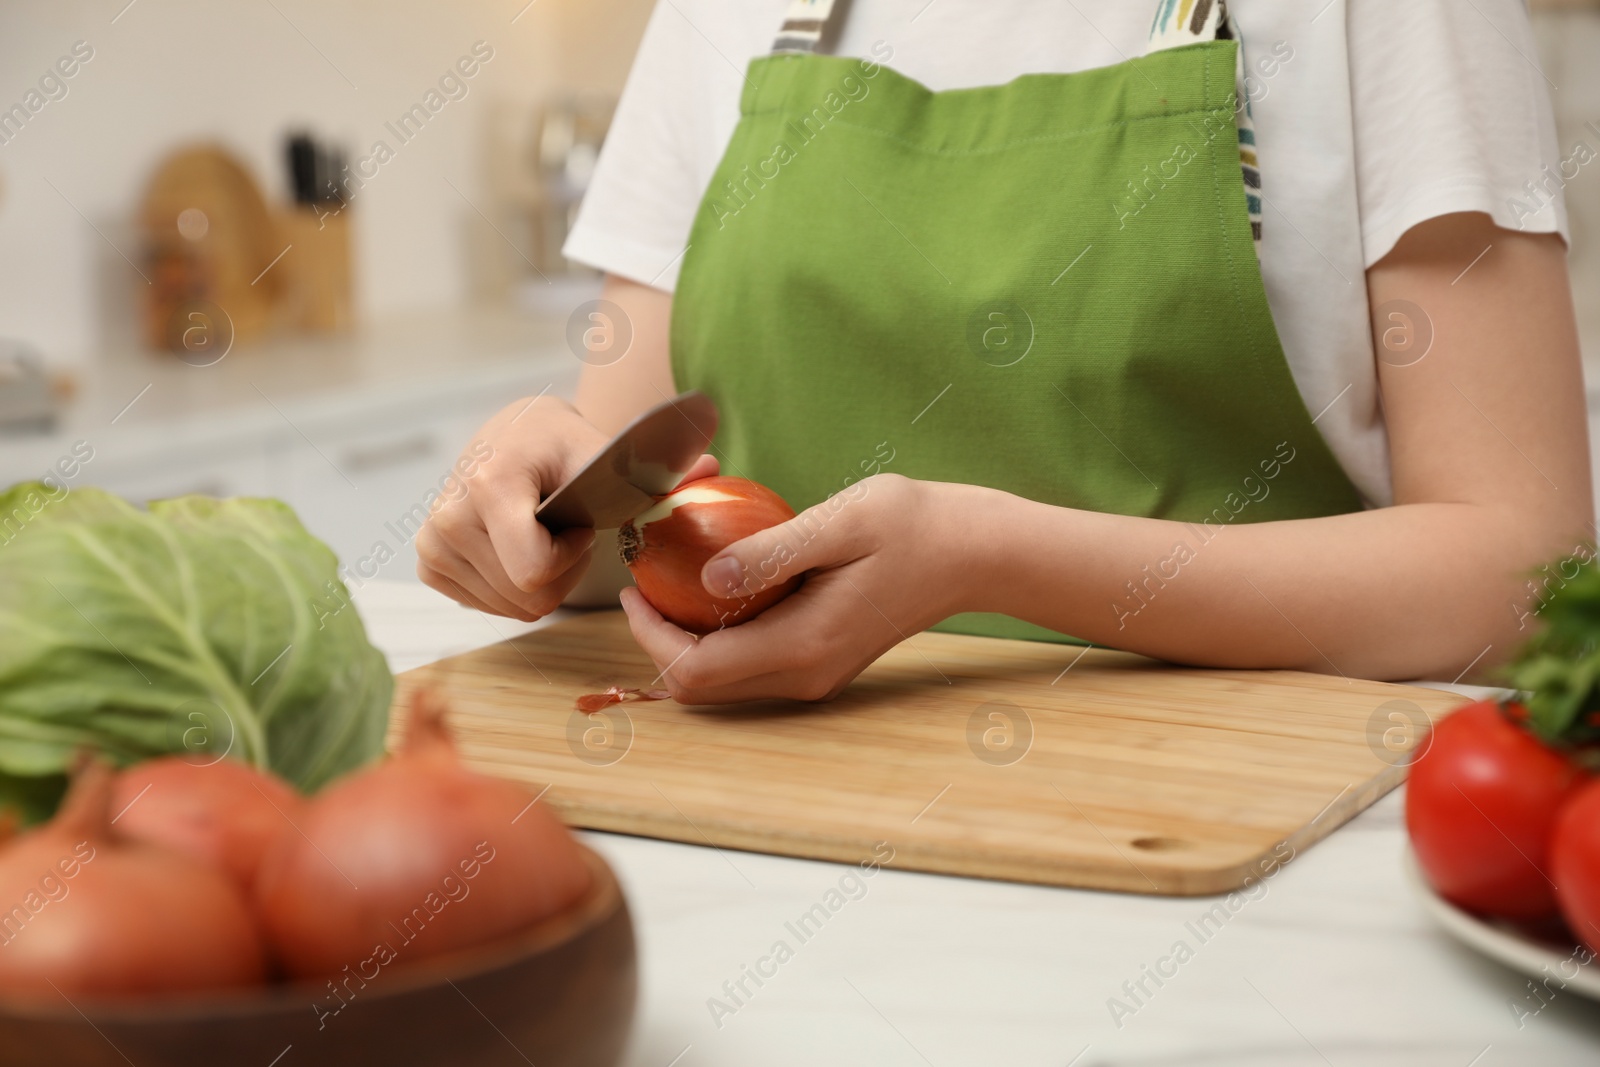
810, 644
662, 642
759, 659
555, 594
814, 538
486, 543
518, 545
438, 582
471, 544
704, 467
673, 652
502, 534
441, 567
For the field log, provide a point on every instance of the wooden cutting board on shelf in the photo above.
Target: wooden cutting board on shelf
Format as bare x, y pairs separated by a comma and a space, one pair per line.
960, 755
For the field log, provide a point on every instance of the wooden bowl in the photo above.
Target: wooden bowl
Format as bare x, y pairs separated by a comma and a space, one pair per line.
559, 994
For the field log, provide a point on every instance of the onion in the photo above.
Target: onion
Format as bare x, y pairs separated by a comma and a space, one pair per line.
413, 857
225, 813
667, 546
86, 913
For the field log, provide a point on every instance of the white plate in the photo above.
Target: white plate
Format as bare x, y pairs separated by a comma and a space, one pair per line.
1506, 944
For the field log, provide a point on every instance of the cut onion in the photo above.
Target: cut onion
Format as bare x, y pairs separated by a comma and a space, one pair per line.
667, 546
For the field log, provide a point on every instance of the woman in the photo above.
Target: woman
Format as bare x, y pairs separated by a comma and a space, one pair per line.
1003, 258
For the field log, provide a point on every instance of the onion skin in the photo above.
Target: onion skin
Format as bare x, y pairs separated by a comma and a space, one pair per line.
665, 555
226, 813
108, 918
414, 857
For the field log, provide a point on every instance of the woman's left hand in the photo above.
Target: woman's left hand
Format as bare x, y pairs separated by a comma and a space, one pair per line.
885, 559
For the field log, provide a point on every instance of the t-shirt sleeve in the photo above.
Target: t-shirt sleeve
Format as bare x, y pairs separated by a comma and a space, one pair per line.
1451, 113
679, 104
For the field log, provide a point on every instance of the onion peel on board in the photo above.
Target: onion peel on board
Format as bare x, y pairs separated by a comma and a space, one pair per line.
593, 702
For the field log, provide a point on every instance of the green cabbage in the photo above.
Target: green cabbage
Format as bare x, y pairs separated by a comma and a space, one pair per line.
201, 626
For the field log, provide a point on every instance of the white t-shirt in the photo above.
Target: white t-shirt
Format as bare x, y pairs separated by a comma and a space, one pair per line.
1375, 116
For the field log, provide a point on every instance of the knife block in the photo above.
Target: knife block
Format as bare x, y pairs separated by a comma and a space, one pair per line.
316, 293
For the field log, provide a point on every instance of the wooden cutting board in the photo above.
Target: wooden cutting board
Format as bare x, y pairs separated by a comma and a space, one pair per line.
961, 755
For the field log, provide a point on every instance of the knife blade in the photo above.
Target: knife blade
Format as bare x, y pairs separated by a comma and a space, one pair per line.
646, 460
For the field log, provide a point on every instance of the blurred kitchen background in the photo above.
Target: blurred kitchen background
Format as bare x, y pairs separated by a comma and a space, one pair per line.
145, 204
211, 279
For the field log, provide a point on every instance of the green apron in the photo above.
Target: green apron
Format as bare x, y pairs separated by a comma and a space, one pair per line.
1047, 287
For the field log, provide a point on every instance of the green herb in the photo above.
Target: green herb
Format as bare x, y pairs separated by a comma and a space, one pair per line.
199, 626
1560, 666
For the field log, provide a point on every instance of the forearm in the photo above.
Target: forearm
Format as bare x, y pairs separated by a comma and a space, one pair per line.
613, 390
1419, 590
1489, 463
628, 368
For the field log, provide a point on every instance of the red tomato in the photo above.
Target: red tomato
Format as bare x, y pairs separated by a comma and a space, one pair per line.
1481, 806
1575, 863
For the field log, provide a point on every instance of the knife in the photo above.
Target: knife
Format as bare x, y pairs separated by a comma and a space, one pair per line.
645, 461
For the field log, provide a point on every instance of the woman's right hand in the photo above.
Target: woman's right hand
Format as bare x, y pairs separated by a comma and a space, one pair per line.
485, 548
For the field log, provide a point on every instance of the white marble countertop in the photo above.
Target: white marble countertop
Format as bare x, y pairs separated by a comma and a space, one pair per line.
1333, 964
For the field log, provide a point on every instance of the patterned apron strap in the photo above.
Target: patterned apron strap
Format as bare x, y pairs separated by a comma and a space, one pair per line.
803, 25
1181, 22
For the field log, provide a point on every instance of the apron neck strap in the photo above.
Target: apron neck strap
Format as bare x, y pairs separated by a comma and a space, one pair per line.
1176, 23
1181, 22
805, 24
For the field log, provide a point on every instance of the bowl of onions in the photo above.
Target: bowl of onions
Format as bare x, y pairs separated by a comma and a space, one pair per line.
410, 913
